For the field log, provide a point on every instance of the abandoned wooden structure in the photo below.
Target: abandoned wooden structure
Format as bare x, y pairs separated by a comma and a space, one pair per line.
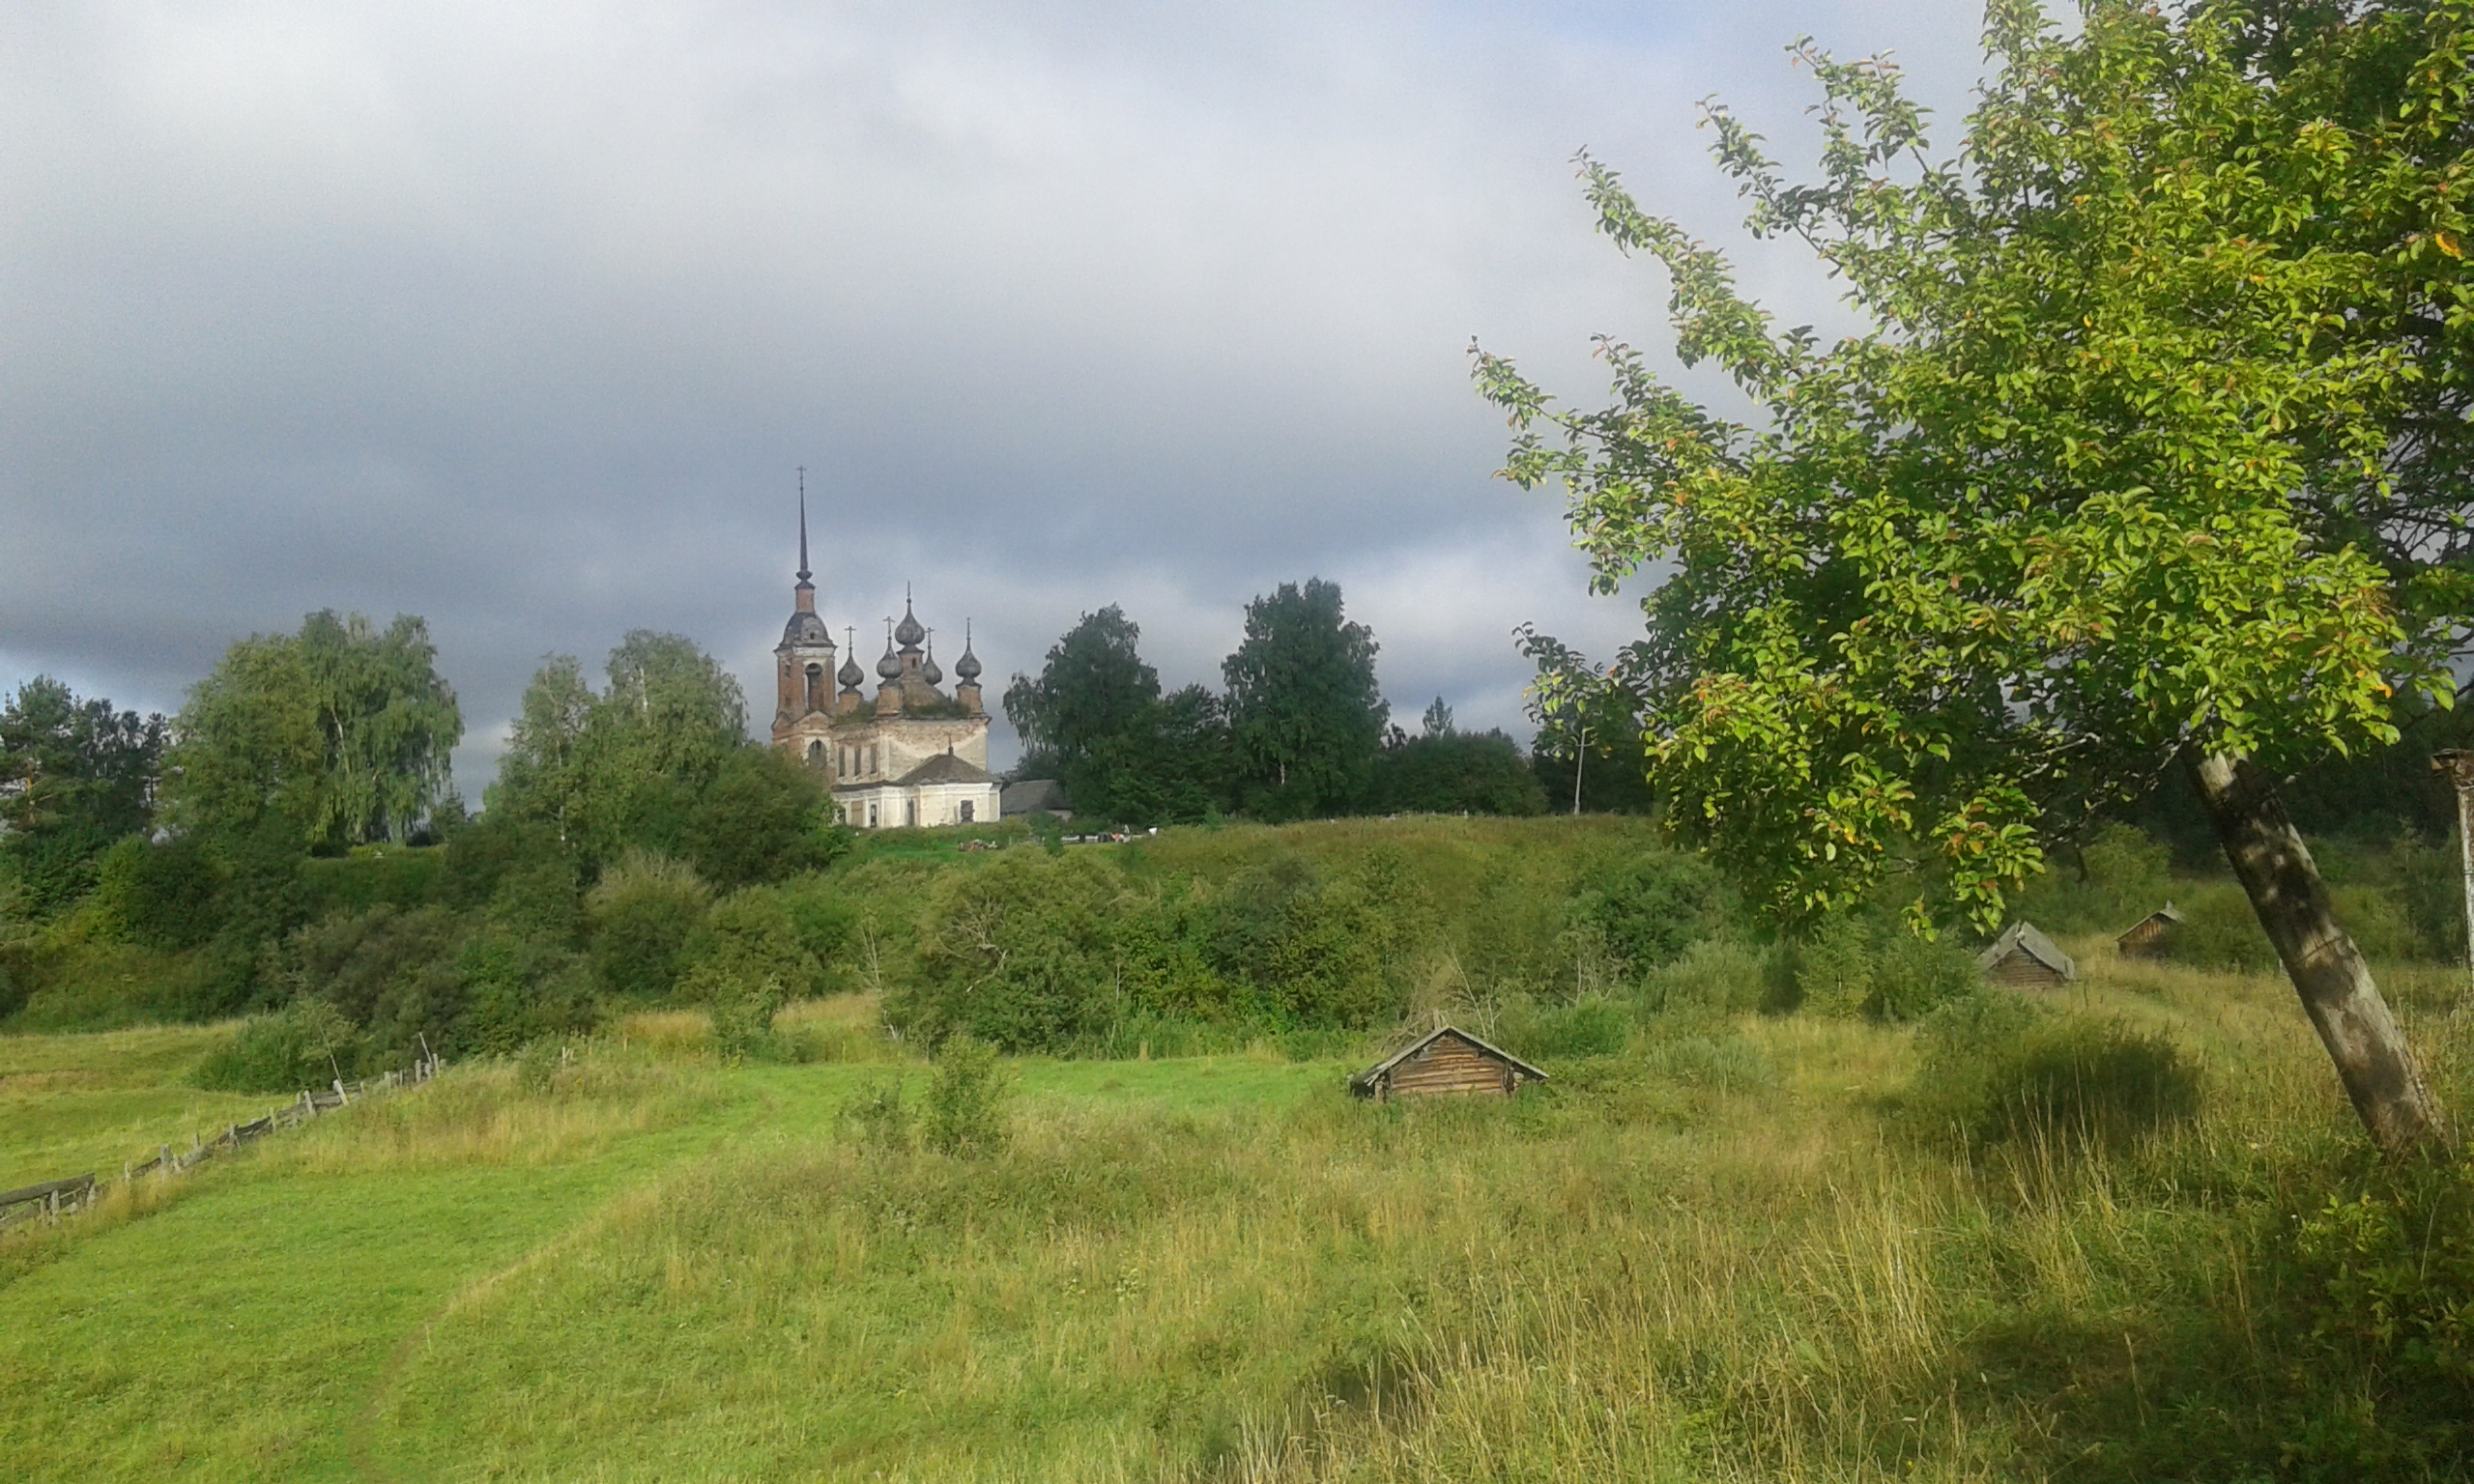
2147, 938
2023, 959
1442, 1060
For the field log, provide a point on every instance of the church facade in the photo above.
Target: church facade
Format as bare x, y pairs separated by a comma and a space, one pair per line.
910, 756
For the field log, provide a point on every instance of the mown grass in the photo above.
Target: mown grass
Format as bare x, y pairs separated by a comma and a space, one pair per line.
1725, 1253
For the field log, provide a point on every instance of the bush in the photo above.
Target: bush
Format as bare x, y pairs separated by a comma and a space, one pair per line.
749, 938
1654, 908
1594, 1026
1911, 977
641, 914
519, 989
1018, 952
2387, 1283
1833, 968
158, 895
965, 1112
879, 1120
399, 974
308, 1044
1715, 975
1998, 1068
2220, 930
742, 1011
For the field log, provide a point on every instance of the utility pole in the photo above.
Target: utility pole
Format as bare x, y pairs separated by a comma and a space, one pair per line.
2457, 767
1579, 760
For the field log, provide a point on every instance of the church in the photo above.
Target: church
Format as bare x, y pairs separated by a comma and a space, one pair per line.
912, 756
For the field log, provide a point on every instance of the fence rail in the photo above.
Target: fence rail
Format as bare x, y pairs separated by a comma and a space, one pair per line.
54, 1199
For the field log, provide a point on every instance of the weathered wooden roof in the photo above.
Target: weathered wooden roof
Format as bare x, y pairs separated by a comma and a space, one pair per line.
2022, 937
1368, 1076
2167, 913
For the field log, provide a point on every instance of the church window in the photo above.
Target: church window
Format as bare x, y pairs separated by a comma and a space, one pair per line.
966, 811
816, 755
872, 816
910, 813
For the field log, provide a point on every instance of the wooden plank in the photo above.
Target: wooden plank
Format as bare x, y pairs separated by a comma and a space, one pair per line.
47, 1190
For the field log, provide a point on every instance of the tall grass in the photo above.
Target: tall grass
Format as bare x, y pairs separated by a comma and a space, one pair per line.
1717, 1252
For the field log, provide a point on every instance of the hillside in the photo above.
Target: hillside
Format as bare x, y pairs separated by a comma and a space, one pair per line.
1741, 1245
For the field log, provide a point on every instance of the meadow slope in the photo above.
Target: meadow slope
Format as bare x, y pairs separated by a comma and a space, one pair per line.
1726, 1252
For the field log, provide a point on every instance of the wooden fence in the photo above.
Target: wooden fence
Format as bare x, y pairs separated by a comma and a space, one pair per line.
53, 1199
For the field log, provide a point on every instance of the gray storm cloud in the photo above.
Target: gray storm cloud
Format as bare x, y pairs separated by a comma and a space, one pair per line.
520, 317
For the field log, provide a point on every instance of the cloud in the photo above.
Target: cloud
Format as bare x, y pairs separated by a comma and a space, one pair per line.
521, 317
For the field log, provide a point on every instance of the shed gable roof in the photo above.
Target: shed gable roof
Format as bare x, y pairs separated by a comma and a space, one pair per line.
2022, 937
1497, 1053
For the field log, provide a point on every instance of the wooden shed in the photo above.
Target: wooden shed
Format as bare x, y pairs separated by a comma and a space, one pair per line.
2023, 959
2147, 938
1445, 1060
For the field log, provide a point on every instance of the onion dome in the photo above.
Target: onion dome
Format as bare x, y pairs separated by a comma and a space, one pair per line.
930, 672
967, 668
908, 633
890, 667
851, 674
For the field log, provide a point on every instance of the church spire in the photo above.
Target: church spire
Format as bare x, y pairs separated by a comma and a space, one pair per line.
803, 526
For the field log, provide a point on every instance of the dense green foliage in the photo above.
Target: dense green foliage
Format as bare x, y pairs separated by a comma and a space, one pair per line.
2136, 456
80, 777
1305, 712
1095, 720
340, 733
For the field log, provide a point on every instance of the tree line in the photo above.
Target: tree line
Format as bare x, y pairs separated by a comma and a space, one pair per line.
1299, 729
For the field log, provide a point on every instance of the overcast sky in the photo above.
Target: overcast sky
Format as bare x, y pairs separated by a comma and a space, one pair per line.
520, 317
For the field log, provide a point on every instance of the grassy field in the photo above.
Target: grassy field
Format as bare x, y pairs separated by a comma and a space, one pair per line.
1725, 1253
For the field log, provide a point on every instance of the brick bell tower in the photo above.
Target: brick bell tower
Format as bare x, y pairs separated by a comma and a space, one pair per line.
804, 664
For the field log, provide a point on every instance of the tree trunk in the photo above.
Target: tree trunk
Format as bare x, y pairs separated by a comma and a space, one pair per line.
2276, 870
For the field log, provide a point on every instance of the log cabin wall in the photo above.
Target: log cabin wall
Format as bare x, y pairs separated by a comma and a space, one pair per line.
2019, 969
1449, 1065
2144, 941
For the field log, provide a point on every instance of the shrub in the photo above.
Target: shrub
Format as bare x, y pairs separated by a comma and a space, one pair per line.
519, 989
2387, 1286
2220, 930
158, 895
1716, 976
1911, 977
1652, 908
396, 974
641, 915
1833, 968
879, 1120
1594, 1026
1018, 952
308, 1044
742, 1011
965, 1112
1998, 1068
749, 938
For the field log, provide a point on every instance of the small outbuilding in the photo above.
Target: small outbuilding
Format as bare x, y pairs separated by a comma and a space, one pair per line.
2149, 936
2023, 959
1445, 1060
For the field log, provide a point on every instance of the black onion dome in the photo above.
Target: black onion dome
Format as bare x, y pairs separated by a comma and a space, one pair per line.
908, 632
806, 629
890, 667
852, 675
967, 668
930, 672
